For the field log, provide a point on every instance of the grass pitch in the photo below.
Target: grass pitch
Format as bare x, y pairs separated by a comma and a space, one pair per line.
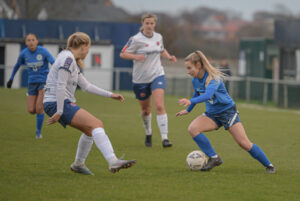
33, 169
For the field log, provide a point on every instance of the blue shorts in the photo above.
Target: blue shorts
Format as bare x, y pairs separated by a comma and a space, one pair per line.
227, 118
33, 88
144, 90
69, 111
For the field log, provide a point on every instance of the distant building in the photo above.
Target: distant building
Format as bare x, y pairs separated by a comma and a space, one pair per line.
87, 10
218, 28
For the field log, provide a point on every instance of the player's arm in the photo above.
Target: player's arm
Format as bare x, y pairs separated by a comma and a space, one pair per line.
49, 57
64, 74
165, 54
208, 94
62, 80
132, 56
91, 88
129, 51
191, 106
15, 70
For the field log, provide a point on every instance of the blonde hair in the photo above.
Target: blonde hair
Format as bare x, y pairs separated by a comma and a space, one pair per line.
145, 16
76, 40
213, 73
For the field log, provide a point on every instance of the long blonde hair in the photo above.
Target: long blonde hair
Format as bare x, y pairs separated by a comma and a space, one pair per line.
75, 41
145, 16
213, 73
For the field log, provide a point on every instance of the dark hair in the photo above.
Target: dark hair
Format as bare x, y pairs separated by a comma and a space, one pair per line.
31, 34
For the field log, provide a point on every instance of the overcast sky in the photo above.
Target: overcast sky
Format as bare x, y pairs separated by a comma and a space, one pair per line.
246, 7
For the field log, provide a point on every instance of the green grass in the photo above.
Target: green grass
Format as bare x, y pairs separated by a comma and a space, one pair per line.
32, 169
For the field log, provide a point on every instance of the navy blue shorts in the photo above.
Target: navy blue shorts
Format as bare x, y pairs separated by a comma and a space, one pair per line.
227, 118
33, 88
69, 111
144, 90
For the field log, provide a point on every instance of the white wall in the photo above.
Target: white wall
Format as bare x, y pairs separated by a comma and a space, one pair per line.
53, 49
101, 76
12, 51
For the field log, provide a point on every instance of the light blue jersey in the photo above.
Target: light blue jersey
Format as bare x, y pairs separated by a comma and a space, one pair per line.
37, 64
215, 95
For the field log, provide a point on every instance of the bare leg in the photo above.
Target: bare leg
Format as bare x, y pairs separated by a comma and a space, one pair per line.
239, 135
199, 125
31, 104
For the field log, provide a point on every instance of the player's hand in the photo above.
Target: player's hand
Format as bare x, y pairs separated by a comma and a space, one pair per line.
140, 57
173, 59
9, 83
53, 119
185, 102
118, 97
182, 112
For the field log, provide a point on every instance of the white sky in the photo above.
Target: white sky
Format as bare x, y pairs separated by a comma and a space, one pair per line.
246, 7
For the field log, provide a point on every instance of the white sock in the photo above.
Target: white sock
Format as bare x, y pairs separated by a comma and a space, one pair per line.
104, 145
162, 121
147, 124
84, 146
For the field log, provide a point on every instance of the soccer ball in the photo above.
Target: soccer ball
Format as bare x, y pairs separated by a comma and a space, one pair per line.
196, 160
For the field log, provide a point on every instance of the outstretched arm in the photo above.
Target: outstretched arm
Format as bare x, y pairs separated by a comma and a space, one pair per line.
89, 87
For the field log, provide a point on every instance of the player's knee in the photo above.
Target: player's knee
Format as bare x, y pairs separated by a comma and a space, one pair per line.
146, 112
95, 124
246, 145
39, 109
192, 131
31, 110
98, 123
160, 109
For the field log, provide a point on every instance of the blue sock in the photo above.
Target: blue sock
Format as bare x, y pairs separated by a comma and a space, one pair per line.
204, 145
259, 155
39, 122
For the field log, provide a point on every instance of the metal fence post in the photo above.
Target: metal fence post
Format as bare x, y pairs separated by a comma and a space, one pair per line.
285, 96
265, 97
117, 84
248, 88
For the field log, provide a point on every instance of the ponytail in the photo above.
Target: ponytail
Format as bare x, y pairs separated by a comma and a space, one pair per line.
213, 73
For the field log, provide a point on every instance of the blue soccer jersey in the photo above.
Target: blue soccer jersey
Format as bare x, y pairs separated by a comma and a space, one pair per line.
215, 95
37, 64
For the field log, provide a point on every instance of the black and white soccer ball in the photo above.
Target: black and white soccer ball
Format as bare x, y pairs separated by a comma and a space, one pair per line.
196, 160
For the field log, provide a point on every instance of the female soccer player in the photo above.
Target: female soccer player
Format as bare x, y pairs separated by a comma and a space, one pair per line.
59, 104
220, 111
36, 59
145, 49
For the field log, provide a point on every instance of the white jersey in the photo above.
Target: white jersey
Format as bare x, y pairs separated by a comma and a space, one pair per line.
64, 60
151, 48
